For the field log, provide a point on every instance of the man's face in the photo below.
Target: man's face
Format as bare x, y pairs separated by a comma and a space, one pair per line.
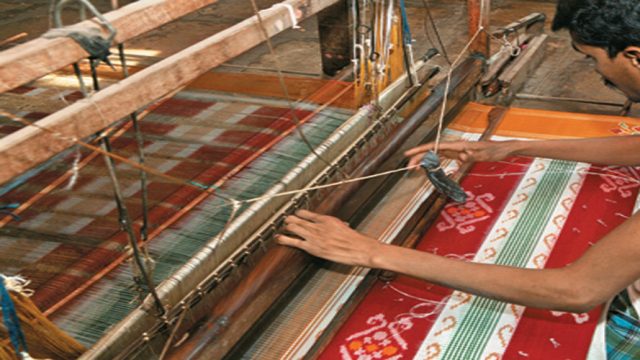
622, 71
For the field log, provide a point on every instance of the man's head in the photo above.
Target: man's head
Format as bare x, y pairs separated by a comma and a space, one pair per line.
607, 31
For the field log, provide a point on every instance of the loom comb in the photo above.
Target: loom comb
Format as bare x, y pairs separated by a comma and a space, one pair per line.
431, 164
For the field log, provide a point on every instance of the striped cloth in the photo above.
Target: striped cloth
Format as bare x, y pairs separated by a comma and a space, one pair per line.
623, 330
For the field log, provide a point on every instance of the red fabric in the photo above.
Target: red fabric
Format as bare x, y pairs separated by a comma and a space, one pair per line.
382, 299
571, 336
602, 204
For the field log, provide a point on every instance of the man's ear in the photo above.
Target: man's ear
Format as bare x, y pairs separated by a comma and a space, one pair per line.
633, 53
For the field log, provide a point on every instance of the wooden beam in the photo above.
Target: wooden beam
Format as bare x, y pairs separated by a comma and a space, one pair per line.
478, 11
32, 145
514, 77
41, 56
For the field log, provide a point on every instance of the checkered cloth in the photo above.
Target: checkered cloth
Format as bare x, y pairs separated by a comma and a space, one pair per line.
623, 330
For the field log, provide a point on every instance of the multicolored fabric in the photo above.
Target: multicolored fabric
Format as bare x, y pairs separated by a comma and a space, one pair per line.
549, 214
70, 235
622, 330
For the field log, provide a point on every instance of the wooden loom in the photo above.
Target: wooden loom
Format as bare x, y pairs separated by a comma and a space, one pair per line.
237, 282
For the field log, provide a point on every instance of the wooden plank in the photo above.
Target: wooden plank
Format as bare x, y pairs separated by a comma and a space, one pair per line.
478, 12
33, 145
41, 56
517, 73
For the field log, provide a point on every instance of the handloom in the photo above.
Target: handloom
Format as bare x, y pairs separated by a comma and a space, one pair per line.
207, 173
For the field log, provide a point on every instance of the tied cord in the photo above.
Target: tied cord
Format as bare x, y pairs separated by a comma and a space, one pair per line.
11, 321
431, 163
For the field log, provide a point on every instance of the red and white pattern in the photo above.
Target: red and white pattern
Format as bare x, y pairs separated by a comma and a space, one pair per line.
463, 217
620, 179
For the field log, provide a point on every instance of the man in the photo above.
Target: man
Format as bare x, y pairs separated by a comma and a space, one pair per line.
607, 31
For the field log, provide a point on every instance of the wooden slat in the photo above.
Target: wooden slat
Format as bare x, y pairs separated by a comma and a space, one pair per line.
478, 12
516, 74
39, 57
30, 146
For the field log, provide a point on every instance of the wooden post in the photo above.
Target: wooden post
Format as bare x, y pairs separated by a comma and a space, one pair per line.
335, 37
31, 145
36, 58
479, 17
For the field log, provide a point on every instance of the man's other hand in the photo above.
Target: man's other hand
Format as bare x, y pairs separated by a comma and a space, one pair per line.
463, 151
329, 238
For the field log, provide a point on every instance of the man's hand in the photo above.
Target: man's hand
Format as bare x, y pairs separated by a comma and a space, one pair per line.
329, 238
464, 151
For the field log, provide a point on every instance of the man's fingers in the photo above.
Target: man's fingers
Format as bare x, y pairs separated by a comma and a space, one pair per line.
415, 161
419, 149
298, 229
309, 215
293, 242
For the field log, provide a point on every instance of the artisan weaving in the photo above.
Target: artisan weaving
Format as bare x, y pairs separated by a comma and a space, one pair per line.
536, 213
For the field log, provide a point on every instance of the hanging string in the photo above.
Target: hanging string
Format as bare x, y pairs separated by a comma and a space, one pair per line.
283, 85
124, 219
453, 65
445, 97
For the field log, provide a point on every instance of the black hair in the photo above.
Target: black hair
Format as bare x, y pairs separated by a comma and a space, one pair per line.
609, 24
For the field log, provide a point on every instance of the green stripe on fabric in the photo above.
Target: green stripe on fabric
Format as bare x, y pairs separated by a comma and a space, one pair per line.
475, 329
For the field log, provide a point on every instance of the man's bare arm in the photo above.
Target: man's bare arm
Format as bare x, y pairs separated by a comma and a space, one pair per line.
599, 274
614, 150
